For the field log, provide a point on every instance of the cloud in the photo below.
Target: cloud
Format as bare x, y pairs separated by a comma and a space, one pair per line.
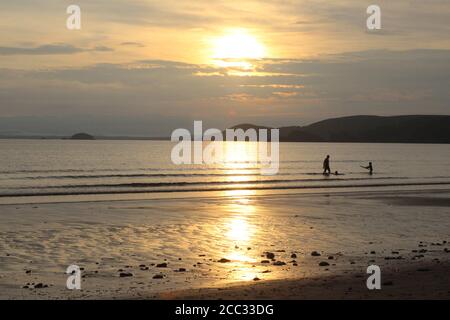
133, 44
282, 92
49, 49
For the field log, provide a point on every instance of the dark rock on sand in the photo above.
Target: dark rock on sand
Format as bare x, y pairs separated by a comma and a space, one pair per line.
315, 254
393, 258
158, 276
330, 257
293, 256
256, 279
324, 264
223, 260
279, 263
265, 261
125, 274
270, 255
161, 265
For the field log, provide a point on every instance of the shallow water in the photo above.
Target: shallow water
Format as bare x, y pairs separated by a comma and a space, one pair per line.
65, 167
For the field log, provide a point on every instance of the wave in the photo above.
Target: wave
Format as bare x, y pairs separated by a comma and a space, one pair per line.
186, 183
105, 192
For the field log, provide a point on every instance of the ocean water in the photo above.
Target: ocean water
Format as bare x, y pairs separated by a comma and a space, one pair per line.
66, 167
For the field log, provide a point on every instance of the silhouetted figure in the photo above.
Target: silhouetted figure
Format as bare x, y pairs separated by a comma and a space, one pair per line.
326, 165
369, 167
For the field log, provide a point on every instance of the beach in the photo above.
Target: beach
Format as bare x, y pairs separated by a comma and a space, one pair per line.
235, 245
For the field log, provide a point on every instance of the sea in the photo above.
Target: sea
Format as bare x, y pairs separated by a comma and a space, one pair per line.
52, 168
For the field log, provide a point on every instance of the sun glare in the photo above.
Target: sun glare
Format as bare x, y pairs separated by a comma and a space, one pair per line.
235, 48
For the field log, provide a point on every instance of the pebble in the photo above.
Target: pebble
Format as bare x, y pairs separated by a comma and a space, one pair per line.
158, 276
161, 265
125, 274
315, 254
223, 260
324, 264
279, 263
270, 255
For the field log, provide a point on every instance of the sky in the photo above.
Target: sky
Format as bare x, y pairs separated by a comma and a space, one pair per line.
145, 68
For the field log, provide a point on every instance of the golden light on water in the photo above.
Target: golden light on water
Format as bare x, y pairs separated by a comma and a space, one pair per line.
239, 230
240, 154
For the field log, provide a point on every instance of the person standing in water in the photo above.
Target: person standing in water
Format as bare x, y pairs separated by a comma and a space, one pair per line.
369, 167
326, 165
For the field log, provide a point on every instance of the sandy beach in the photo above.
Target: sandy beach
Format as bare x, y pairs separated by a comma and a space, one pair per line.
240, 246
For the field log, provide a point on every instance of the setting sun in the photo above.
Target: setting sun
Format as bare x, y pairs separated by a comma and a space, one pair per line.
236, 47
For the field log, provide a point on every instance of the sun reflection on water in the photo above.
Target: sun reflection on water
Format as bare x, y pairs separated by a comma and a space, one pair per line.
238, 229
239, 226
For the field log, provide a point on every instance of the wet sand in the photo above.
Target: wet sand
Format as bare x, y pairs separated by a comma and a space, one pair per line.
408, 281
238, 246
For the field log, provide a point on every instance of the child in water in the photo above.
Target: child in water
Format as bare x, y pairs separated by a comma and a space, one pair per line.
369, 167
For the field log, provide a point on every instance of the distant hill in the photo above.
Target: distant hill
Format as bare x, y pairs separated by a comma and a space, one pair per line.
82, 136
400, 129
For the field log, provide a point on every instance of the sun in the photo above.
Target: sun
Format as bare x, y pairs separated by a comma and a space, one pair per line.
235, 47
